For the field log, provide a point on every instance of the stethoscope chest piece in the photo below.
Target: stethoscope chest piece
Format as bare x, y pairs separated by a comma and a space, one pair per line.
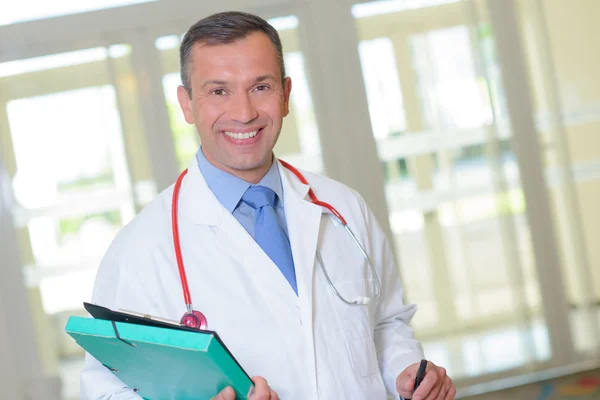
194, 319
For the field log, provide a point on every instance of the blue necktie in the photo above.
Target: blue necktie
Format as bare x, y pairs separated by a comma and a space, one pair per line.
268, 232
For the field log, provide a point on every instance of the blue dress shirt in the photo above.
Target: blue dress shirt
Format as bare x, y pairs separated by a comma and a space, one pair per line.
229, 190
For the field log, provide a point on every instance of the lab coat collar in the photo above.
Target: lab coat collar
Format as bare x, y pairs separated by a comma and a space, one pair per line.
290, 181
197, 202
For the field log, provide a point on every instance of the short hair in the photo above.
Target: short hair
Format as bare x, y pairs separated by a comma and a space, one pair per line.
225, 28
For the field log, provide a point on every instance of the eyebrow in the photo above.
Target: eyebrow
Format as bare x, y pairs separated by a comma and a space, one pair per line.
258, 79
213, 82
263, 78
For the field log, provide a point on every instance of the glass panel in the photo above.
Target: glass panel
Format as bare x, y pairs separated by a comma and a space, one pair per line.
386, 107
185, 137
86, 165
452, 182
299, 139
19, 11
61, 133
566, 95
370, 9
451, 93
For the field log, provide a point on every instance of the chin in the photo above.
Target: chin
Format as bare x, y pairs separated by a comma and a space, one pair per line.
247, 166
245, 163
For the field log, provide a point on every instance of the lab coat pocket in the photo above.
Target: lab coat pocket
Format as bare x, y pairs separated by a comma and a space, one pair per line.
356, 324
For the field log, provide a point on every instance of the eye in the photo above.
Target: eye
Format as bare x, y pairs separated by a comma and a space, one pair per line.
218, 92
261, 88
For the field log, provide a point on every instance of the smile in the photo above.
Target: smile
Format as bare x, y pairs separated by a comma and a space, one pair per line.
241, 136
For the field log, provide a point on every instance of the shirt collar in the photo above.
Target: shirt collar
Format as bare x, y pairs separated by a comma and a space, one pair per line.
229, 189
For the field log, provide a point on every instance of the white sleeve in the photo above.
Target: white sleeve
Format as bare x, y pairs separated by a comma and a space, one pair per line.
395, 343
114, 288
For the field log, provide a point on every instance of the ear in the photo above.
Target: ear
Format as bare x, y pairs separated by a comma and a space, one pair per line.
287, 89
186, 104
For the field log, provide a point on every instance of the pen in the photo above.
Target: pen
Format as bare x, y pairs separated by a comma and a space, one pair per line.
420, 374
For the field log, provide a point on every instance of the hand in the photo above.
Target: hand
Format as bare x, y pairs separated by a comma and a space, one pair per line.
436, 385
262, 391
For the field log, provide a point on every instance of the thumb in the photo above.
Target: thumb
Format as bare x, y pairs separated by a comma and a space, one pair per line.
226, 394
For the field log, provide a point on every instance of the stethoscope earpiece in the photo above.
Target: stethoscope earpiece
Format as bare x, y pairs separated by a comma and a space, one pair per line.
362, 300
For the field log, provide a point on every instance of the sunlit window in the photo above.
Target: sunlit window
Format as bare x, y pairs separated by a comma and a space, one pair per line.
185, 137
59, 154
382, 86
301, 100
52, 61
391, 6
20, 11
62, 60
452, 94
288, 22
167, 42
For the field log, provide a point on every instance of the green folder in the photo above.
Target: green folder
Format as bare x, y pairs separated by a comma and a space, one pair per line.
162, 363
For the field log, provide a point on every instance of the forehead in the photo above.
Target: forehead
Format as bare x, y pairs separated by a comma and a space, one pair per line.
250, 56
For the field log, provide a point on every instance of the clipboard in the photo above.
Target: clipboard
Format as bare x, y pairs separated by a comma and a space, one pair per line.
158, 359
104, 313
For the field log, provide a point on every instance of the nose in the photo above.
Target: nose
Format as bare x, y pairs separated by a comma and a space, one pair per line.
241, 109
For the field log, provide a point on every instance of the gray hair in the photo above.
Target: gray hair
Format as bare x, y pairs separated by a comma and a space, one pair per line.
225, 28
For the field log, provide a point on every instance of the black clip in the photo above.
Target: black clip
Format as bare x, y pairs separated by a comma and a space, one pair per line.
119, 337
114, 370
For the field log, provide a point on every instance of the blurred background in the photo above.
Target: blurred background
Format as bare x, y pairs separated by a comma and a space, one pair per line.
471, 127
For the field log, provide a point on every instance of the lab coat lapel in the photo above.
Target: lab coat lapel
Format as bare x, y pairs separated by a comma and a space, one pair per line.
196, 201
202, 206
268, 279
303, 221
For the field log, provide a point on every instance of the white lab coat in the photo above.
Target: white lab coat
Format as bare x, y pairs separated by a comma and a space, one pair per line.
310, 346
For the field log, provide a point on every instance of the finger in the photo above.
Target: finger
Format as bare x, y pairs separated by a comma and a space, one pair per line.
451, 393
226, 394
445, 388
449, 385
436, 392
274, 395
431, 383
261, 389
440, 394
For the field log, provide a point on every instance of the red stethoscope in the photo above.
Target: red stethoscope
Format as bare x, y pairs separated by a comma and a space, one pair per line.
197, 320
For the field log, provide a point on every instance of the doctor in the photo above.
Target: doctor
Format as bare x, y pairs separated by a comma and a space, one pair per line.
250, 239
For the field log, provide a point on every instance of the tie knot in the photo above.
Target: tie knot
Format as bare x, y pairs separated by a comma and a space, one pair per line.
259, 196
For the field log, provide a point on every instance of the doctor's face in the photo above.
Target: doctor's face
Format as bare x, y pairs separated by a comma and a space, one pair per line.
237, 103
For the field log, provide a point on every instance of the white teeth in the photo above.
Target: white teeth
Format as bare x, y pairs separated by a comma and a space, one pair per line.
241, 136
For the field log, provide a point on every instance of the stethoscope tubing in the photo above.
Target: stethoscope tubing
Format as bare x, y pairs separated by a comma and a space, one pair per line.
192, 315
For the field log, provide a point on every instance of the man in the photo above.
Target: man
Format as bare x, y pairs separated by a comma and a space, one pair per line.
253, 266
